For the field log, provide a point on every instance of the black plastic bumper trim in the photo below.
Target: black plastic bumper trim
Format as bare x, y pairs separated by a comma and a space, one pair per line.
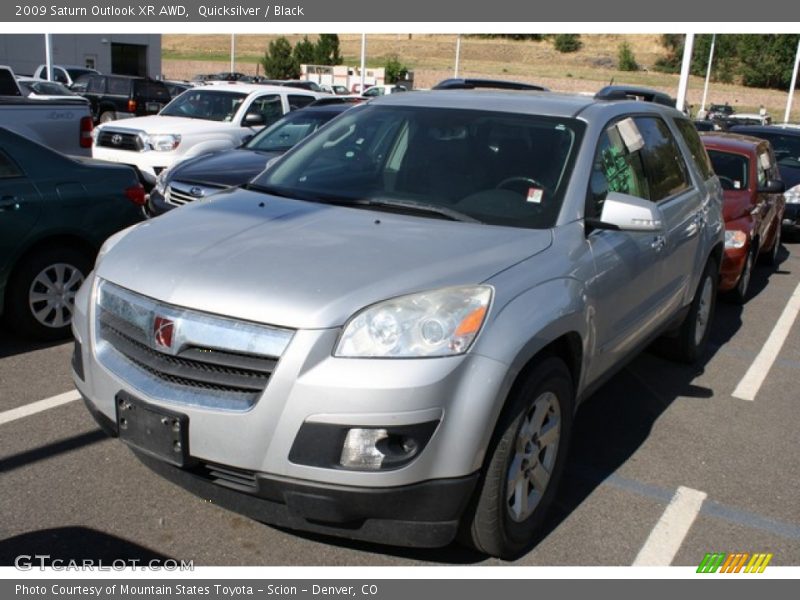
424, 514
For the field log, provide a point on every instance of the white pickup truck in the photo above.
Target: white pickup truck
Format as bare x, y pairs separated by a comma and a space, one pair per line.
200, 120
64, 125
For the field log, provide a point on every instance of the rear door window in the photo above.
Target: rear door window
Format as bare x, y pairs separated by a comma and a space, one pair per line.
118, 86
663, 161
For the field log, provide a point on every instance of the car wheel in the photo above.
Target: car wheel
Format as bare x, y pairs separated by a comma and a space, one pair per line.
739, 294
771, 257
41, 293
107, 116
692, 338
524, 464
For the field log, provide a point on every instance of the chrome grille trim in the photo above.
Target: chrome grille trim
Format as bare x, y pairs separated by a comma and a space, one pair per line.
128, 140
179, 193
213, 361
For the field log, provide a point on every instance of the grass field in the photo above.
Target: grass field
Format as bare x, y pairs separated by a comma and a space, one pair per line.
432, 58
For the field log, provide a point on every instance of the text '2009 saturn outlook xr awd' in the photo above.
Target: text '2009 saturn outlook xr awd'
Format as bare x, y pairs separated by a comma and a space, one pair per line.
385, 335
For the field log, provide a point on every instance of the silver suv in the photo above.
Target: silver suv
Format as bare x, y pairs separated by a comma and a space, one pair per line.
386, 335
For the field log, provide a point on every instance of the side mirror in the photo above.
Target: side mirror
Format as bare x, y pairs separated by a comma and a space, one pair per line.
773, 186
253, 120
627, 213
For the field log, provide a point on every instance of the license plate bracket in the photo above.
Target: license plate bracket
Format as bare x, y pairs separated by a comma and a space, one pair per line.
157, 431
153, 106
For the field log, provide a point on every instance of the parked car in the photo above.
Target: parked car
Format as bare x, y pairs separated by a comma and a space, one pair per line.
785, 141
63, 124
387, 333
202, 120
338, 90
497, 84
753, 207
176, 88
383, 90
66, 74
41, 89
201, 177
55, 213
114, 97
719, 111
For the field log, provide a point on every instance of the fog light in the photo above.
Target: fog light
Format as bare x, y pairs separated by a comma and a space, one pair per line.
360, 449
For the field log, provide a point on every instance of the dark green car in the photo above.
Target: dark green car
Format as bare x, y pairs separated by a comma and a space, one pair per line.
55, 213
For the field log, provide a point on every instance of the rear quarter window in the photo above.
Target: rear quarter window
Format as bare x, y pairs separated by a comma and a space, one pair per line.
8, 168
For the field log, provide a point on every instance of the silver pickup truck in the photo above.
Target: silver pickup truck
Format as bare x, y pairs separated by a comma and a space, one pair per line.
64, 125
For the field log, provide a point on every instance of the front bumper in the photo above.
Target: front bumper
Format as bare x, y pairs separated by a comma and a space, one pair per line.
157, 204
310, 390
791, 219
148, 164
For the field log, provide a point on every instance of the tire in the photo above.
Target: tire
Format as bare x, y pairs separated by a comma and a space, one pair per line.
502, 523
692, 338
57, 272
740, 294
771, 257
107, 115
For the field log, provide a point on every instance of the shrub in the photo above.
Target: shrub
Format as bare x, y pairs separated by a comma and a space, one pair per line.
567, 42
626, 59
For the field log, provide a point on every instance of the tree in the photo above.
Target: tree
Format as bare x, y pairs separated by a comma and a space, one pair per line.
304, 52
278, 61
626, 59
394, 70
767, 59
567, 42
326, 52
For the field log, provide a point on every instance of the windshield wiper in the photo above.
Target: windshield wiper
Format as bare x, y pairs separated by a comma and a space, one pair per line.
418, 207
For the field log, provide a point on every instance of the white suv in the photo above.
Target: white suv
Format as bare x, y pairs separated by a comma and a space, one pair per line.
199, 121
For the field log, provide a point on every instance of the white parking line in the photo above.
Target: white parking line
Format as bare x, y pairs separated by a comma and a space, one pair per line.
37, 407
751, 382
667, 536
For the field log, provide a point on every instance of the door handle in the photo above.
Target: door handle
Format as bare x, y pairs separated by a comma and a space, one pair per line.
658, 243
9, 203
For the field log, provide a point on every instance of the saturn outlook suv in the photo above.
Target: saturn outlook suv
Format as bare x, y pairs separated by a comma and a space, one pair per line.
386, 335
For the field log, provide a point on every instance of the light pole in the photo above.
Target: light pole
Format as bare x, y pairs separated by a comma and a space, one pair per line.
685, 67
708, 72
794, 83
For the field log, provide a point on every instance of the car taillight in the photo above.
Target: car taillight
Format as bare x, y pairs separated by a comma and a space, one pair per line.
131, 105
135, 194
86, 132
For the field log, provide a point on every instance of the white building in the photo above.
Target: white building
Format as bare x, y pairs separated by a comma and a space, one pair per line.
124, 54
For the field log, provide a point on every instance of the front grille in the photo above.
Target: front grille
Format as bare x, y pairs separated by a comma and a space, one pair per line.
119, 140
244, 375
184, 193
237, 479
210, 361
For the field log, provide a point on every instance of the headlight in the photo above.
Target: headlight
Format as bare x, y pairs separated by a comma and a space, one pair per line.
735, 239
793, 195
161, 182
164, 142
437, 323
111, 242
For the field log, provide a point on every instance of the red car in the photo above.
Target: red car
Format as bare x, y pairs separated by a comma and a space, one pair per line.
753, 208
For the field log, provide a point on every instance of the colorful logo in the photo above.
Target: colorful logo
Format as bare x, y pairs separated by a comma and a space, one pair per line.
734, 563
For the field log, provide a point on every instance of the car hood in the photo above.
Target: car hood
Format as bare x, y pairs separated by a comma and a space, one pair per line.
159, 124
231, 167
300, 264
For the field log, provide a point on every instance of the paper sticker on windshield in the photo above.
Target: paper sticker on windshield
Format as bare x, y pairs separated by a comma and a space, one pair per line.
535, 195
630, 135
764, 160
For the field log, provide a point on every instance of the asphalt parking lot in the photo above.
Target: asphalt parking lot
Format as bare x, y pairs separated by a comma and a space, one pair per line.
654, 429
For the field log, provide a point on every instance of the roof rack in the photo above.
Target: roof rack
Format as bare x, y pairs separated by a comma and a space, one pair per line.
497, 84
643, 94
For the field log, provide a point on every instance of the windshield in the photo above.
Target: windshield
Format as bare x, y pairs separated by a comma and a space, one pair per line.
205, 104
284, 134
786, 147
74, 72
731, 169
497, 168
